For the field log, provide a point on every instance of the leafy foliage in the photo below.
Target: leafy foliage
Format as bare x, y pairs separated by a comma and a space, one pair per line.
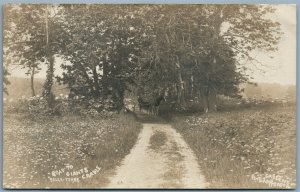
185, 51
32, 38
5, 80
195, 49
105, 60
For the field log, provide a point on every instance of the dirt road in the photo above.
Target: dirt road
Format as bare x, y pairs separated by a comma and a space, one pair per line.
160, 159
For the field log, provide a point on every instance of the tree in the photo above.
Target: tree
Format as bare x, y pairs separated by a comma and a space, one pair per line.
175, 41
102, 49
242, 29
209, 41
5, 80
28, 40
21, 35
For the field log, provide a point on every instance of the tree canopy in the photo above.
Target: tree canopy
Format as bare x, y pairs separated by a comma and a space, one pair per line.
184, 51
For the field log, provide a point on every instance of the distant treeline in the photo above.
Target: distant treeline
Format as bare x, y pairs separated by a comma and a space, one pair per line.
19, 87
270, 90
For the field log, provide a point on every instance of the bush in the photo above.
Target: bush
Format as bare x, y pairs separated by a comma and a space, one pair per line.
37, 105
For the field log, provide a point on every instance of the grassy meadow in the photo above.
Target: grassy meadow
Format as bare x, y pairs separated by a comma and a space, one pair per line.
40, 150
247, 148
244, 145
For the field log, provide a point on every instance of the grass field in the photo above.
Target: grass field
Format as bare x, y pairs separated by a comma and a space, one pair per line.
250, 148
65, 152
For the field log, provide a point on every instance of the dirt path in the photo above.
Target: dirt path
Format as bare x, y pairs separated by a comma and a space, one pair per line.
160, 159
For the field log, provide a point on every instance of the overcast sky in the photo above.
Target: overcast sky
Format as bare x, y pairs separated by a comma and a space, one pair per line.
281, 68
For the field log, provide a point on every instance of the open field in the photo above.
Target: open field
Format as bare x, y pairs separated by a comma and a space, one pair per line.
250, 148
243, 146
57, 152
20, 87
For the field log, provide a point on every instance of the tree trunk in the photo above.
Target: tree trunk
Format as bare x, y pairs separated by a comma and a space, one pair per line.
121, 94
181, 91
118, 94
204, 92
192, 87
105, 84
209, 98
31, 82
96, 83
50, 71
212, 100
49, 82
217, 23
211, 89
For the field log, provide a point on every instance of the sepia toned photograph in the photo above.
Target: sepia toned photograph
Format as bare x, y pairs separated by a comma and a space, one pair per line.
149, 96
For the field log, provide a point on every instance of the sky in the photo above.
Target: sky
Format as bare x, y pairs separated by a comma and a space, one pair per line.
281, 68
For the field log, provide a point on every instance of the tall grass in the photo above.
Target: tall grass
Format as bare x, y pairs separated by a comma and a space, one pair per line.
36, 148
235, 148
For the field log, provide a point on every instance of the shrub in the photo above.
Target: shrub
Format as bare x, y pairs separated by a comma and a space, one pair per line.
37, 105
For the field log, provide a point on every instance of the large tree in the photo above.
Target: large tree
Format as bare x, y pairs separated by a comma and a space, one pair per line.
176, 40
200, 47
103, 44
31, 39
243, 29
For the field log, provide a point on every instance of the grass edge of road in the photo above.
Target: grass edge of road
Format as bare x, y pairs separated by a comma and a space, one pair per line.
103, 141
236, 149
